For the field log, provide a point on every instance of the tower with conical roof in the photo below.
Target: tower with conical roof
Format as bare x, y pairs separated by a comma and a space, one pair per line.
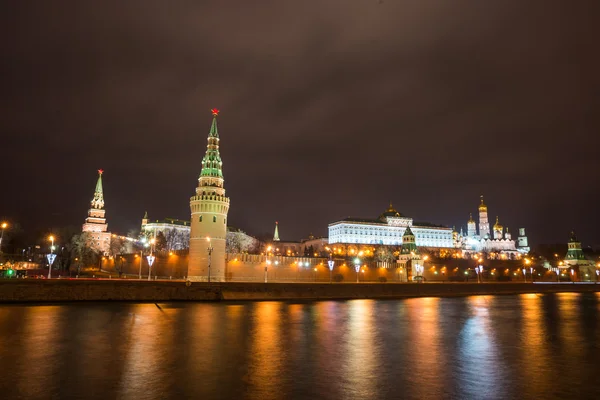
484, 225
95, 224
409, 254
276, 235
575, 258
471, 227
209, 208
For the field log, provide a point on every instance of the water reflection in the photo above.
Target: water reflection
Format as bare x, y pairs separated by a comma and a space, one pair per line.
525, 346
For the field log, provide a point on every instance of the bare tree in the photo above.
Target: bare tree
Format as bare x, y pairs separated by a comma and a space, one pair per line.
118, 247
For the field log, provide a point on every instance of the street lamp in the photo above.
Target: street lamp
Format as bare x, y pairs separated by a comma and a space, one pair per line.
210, 250
420, 269
597, 274
4, 225
268, 262
479, 271
357, 267
524, 275
151, 258
144, 244
330, 264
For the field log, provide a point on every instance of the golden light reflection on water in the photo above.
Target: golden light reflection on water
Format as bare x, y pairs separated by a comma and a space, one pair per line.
425, 340
40, 349
570, 330
536, 357
146, 330
361, 351
264, 372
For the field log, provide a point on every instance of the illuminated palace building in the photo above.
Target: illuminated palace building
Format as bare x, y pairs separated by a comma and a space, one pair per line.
388, 230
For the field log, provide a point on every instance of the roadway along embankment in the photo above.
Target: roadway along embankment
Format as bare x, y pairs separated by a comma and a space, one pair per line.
61, 290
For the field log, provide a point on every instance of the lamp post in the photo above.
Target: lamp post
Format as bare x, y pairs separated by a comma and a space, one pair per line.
144, 244
268, 262
151, 258
210, 250
597, 274
330, 264
527, 262
479, 271
557, 274
4, 225
315, 274
524, 275
357, 267
420, 269
572, 275
51, 257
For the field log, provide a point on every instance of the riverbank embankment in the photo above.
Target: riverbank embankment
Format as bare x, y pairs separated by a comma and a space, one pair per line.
65, 290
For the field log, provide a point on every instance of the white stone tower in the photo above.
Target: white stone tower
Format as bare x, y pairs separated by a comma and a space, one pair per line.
522, 242
95, 224
209, 208
484, 225
471, 227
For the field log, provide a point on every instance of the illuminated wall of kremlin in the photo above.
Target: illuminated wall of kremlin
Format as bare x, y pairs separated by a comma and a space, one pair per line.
383, 245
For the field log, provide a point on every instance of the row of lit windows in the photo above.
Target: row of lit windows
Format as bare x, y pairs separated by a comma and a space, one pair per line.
214, 219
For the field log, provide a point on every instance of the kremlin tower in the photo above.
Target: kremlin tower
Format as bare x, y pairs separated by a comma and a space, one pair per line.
209, 208
95, 224
276, 235
484, 225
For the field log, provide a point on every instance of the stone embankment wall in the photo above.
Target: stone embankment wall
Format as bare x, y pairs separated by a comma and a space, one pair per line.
58, 290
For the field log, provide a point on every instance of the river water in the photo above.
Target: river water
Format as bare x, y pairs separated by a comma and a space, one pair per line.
480, 347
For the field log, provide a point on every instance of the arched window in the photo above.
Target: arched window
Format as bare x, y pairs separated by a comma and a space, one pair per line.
214, 218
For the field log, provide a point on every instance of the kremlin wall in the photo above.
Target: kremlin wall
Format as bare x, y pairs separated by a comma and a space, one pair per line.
416, 251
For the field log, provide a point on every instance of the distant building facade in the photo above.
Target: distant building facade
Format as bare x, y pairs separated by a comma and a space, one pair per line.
388, 229
175, 231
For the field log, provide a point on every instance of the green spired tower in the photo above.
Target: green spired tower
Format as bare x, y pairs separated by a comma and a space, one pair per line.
95, 224
576, 259
209, 208
409, 255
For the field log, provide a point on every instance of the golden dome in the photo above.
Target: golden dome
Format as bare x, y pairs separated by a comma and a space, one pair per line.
497, 225
471, 220
482, 206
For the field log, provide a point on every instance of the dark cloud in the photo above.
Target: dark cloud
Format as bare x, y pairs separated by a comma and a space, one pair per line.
329, 109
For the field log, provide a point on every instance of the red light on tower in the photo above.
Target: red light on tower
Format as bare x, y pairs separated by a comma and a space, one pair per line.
100, 171
215, 112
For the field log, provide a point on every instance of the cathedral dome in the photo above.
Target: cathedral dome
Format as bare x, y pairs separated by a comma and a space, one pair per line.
390, 212
497, 225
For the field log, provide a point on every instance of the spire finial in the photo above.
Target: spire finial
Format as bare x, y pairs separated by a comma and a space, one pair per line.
214, 111
100, 171
276, 235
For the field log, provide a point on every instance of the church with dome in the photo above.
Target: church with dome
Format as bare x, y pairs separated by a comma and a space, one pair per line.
498, 240
388, 229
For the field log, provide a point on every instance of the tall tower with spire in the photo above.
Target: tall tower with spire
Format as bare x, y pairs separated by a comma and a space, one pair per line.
276, 235
209, 208
484, 225
95, 224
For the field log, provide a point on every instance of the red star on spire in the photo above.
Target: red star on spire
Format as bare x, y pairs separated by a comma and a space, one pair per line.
100, 171
215, 112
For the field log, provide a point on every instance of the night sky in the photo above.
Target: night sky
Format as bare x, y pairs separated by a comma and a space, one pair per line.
329, 109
